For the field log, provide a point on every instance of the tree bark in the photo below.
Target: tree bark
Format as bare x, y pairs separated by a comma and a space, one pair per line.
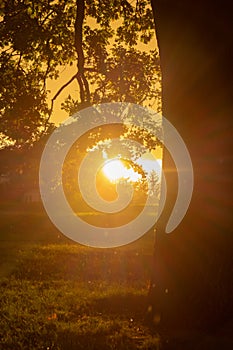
191, 282
82, 81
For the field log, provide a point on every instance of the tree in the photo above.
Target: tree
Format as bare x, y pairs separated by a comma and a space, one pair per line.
38, 37
192, 281
31, 50
195, 41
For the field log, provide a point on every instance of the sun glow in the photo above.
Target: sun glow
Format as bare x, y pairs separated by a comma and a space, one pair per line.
115, 170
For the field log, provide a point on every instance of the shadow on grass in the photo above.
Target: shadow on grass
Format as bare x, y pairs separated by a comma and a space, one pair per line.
62, 296
130, 305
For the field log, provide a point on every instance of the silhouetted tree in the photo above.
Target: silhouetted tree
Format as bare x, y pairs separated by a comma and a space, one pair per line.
192, 282
38, 37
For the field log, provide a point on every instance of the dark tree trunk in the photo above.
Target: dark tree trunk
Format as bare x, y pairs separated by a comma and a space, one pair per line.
192, 275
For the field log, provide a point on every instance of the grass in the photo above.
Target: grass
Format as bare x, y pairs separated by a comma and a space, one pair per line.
63, 296
70, 315
59, 295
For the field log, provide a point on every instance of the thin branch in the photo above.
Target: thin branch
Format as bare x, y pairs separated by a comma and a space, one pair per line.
63, 87
58, 93
46, 72
90, 69
4, 51
48, 61
142, 100
46, 17
19, 61
54, 98
136, 10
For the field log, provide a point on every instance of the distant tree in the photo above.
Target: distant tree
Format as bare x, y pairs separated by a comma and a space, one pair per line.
153, 183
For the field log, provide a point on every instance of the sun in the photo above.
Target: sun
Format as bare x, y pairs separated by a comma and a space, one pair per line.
115, 170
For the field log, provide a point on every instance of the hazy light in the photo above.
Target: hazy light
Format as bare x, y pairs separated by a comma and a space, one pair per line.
149, 164
115, 170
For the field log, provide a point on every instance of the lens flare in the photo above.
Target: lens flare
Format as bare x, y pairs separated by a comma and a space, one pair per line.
115, 171
136, 123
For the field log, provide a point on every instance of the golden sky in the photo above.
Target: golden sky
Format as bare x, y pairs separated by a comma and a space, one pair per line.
66, 72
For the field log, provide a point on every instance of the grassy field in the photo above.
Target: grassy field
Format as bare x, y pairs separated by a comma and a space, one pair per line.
59, 295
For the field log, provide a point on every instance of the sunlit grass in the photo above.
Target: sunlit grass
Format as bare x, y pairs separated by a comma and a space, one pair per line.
59, 295
56, 294
62, 297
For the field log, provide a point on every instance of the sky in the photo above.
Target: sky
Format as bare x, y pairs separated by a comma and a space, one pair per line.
66, 72
149, 163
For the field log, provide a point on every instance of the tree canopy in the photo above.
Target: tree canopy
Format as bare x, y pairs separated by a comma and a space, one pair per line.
101, 38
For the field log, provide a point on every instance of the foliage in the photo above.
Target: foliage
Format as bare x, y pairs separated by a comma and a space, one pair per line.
35, 39
38, 38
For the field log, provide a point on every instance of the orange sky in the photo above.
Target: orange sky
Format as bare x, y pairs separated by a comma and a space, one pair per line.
66, 72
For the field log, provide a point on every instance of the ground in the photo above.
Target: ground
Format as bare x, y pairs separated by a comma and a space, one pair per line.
56, 294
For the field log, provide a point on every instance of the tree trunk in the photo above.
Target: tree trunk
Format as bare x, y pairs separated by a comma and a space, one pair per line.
192, 275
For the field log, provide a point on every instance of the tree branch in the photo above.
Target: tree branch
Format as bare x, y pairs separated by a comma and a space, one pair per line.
46, 17
59, 91
63, 87
82, 92
78, 40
